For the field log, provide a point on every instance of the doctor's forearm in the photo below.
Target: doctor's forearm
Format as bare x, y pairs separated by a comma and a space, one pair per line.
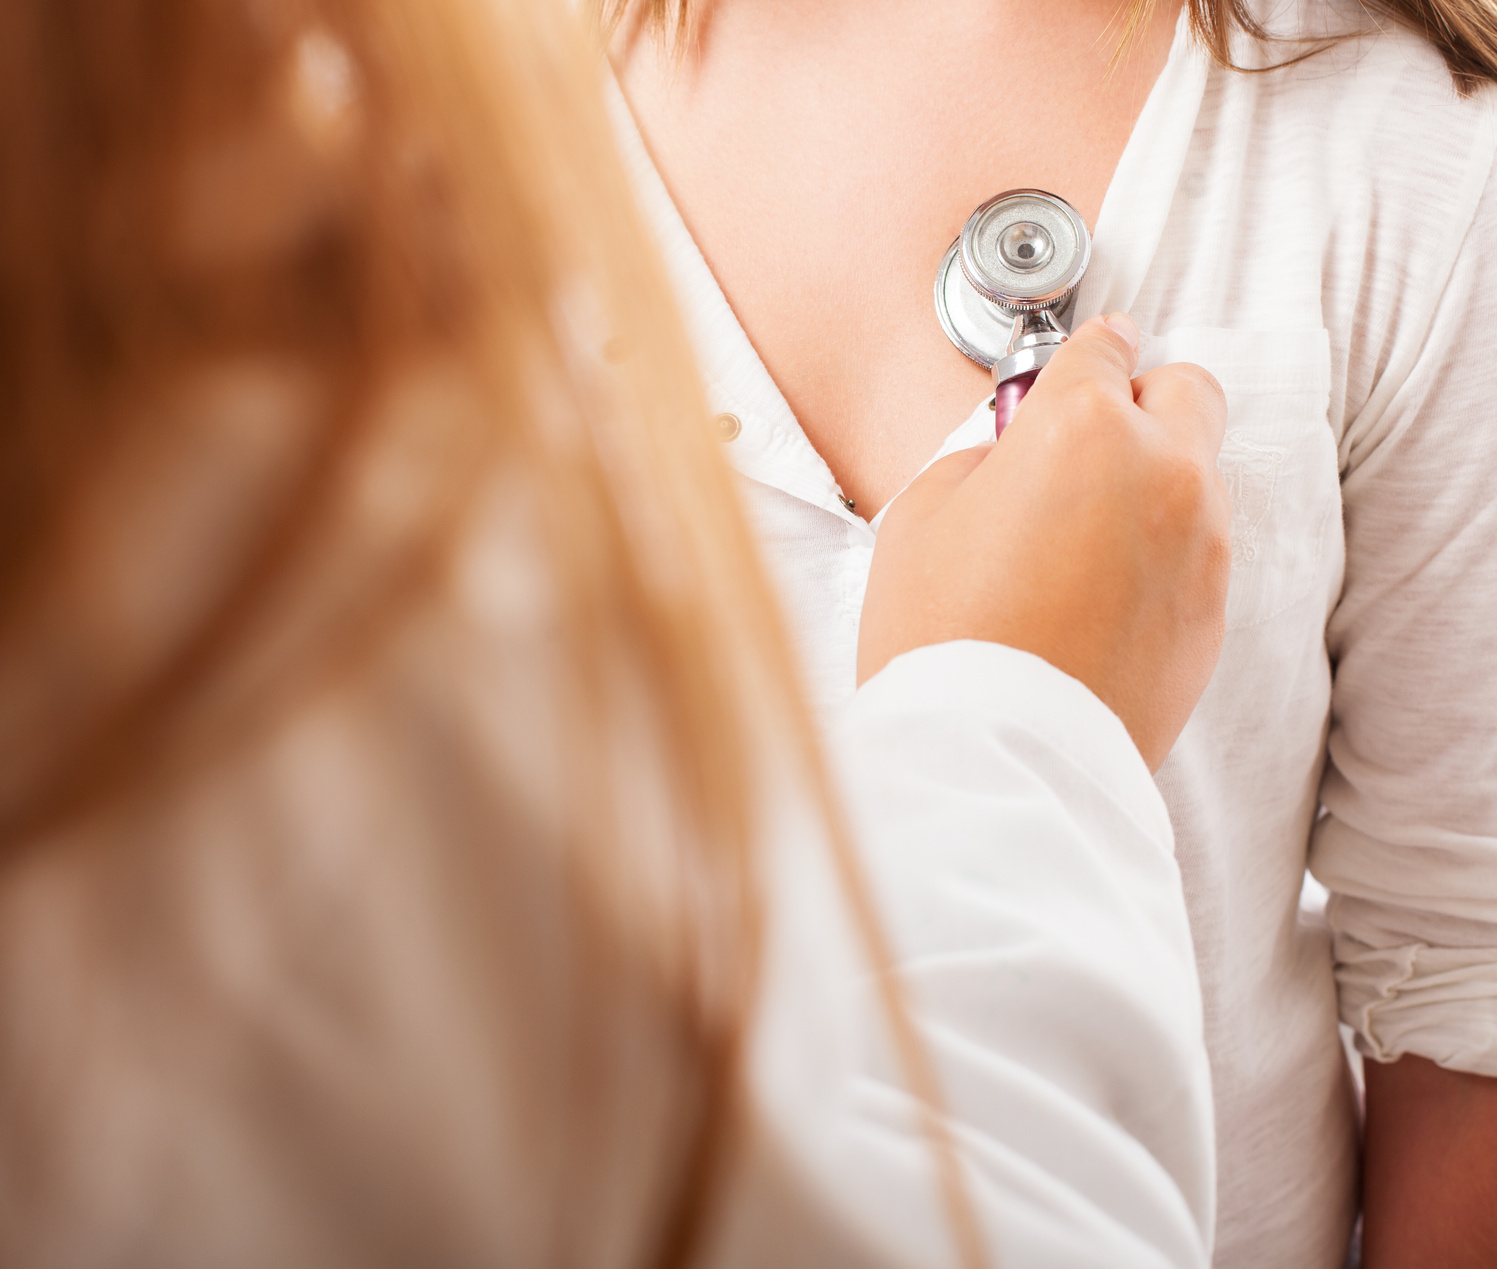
1430, 1172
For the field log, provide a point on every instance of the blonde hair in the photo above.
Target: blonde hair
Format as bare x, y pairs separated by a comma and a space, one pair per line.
356, 190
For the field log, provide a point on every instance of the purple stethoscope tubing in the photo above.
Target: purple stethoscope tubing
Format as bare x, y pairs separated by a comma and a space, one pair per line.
1006, 398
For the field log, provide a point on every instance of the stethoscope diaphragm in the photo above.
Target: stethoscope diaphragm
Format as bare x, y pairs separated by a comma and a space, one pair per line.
979, 329
1021, 251
1007, 283
1024, 250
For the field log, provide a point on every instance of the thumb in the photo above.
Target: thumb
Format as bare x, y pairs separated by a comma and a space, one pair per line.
1103, 351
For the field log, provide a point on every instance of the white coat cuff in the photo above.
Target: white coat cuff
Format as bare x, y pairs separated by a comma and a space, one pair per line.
1019, 691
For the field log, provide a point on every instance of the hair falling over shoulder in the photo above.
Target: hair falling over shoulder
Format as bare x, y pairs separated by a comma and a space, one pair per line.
344, 195
352, 190
1463, 32
320, 203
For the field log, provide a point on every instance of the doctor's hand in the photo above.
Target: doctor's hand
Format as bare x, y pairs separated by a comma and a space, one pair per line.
1094, 535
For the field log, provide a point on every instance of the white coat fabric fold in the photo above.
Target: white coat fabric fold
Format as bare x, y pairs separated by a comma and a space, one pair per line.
1023, 866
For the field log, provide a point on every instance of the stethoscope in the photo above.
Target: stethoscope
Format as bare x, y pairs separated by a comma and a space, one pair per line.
1007, 285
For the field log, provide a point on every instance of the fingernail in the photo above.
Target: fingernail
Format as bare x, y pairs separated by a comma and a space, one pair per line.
1125, 327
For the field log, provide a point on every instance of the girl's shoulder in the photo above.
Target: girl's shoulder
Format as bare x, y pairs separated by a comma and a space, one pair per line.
1345, 47
1352, 102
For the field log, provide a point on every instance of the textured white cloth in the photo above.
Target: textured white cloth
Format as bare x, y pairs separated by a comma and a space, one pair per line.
310, 1009
1023, 863
1321, 237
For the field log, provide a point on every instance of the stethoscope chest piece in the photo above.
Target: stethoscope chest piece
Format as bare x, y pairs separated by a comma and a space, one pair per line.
1024, 250
976, 327
1008, 282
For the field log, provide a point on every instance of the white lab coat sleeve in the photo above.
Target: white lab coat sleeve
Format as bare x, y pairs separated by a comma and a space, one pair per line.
1408, 848
1023, 869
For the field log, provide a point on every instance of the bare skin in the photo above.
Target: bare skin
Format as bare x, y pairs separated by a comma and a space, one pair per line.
1430, 1184
825, 155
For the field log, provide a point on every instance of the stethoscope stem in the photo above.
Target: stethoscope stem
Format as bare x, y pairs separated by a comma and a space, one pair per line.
1006, 398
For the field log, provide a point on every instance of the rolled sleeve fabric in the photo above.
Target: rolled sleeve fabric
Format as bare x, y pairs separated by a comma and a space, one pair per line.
1408, 848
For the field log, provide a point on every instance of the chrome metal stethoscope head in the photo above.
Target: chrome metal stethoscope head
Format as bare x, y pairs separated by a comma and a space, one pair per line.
1021, 252
1024, 250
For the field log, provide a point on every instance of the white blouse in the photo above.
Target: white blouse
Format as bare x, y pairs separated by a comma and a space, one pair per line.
1320, 237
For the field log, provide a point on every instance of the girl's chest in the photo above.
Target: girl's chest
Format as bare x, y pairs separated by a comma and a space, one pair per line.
825, 162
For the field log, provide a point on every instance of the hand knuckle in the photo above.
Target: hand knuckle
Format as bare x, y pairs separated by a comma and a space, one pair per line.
1203, 385
1091, 402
